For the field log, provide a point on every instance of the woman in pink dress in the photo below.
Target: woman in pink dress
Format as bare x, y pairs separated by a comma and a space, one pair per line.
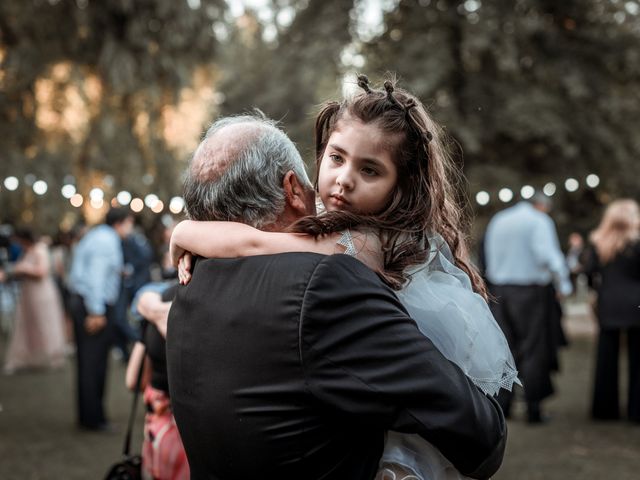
38, 338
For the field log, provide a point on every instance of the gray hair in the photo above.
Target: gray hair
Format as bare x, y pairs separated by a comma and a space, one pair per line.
539, 198
247, 185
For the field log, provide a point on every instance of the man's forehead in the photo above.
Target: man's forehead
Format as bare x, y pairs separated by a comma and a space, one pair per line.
214, 155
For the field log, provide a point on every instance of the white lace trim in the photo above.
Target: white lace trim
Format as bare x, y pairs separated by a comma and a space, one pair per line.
346, 240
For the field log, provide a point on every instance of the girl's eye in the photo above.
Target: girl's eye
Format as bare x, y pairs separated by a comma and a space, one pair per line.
335, 158
370, 172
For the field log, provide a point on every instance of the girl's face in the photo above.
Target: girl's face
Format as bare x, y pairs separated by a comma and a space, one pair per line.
357, 171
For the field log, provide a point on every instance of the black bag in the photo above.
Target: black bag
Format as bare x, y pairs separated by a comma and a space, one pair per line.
129, 469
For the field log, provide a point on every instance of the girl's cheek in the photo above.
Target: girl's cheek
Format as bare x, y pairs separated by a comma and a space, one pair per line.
322, 188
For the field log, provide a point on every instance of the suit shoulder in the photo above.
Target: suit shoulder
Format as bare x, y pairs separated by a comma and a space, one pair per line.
275, 260
342, 274
294, 265
346, 266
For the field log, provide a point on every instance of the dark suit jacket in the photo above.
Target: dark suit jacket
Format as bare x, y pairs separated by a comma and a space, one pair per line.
293, 366
618, 285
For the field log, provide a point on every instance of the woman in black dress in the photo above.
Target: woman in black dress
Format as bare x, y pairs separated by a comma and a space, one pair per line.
163, 455
613, 267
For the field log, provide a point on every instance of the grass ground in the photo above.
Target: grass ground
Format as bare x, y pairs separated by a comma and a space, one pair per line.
39, 441
571, 446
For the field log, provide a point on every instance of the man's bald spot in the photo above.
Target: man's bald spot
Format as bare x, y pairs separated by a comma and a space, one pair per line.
217, 152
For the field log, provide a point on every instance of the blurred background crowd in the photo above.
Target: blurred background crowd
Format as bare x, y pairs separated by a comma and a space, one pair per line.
101, 104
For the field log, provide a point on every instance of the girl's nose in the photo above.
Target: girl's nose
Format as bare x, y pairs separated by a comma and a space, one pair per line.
345, 179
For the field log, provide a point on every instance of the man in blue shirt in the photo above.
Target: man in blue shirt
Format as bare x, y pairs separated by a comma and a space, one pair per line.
94, 281
523, 265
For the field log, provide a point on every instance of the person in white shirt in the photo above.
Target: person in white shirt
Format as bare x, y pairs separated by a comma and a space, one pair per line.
94, 282
525, 267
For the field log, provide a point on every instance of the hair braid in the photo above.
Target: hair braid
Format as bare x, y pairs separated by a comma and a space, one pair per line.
363, 82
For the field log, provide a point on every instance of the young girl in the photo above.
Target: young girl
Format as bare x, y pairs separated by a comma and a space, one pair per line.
384, 178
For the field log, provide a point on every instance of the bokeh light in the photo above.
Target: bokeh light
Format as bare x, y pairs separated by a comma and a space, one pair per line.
593, 180
176, 205
158, 207
123, 197
151, 200
40, 187
571, 184
96, 194
68, 190
527, 192
482, 198
11, 183
549, 189
136, 205
505, 195
76, 200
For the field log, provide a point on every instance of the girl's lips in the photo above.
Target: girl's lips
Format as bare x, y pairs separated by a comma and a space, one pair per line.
339, 200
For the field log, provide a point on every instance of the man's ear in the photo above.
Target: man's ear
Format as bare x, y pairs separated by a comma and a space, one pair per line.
299, 198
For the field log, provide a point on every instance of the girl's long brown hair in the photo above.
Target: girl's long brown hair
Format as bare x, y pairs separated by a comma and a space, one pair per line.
620, 226
424, 199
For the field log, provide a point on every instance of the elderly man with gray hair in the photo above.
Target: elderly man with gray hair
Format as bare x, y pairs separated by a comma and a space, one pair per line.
294, 365
250, 178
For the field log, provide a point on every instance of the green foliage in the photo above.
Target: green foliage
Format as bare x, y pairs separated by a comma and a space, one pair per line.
291, 74
531, 90
84, 86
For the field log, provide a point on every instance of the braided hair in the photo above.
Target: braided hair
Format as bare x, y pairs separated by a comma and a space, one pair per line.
424, 200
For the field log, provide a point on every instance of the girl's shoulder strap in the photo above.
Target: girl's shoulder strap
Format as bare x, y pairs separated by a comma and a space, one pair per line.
363, 245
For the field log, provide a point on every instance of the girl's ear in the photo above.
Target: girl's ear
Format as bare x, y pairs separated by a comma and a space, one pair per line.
300, 198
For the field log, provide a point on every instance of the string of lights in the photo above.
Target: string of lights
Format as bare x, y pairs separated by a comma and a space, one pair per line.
505, 195
96, 196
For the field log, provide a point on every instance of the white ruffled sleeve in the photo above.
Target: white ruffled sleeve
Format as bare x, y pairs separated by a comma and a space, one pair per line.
458, 321
440, 298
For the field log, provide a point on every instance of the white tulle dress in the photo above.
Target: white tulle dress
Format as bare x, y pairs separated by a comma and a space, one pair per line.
440, 298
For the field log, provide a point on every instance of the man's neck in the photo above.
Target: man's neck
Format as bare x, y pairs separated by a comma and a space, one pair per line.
279, 225
284, 221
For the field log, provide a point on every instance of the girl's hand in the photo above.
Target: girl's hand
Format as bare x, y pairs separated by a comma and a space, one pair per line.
184, 268
176, 252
